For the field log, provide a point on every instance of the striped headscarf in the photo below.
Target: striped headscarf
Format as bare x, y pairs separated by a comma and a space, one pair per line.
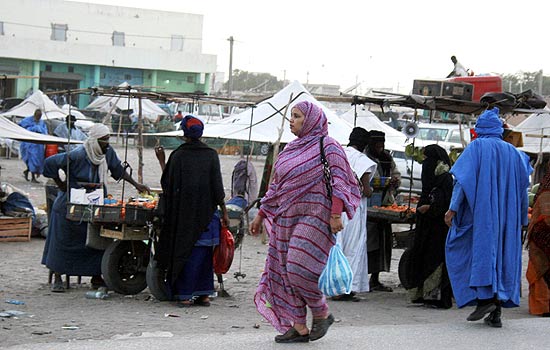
300, 169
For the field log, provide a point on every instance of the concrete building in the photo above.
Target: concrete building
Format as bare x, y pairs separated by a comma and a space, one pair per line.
58, 45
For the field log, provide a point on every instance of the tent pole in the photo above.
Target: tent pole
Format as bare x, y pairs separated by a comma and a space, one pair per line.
278, 142
140, 142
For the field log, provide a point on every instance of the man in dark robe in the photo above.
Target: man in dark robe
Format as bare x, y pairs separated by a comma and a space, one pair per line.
192, 190
379, 233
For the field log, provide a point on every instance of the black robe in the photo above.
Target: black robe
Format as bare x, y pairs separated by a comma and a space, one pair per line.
192, 188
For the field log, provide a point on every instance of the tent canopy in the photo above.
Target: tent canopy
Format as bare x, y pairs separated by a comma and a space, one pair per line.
395, 140
107, 104
10, 130
267, 117
536, 125
39, 100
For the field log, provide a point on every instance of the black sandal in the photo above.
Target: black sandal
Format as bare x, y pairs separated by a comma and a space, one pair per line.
292, 336
320, 327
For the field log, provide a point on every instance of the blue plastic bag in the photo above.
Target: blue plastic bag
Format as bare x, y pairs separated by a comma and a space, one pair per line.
337, 277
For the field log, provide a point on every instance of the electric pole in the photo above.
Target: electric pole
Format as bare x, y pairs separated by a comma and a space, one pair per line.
230, 83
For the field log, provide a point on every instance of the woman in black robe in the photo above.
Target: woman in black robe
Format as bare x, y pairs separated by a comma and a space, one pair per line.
192, 190
427, 271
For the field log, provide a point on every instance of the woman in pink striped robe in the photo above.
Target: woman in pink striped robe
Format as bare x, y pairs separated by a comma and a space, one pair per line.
300, 220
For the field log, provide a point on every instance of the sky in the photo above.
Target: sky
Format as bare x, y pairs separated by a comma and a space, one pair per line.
381, 44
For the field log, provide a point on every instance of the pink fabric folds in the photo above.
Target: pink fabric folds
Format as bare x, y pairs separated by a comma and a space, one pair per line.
297, 214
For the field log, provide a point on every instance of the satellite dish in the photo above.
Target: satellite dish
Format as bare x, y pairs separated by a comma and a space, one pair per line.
410, 130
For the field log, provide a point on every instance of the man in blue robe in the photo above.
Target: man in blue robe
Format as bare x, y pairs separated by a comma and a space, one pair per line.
33, 153
65, 251
488, 208
62, 130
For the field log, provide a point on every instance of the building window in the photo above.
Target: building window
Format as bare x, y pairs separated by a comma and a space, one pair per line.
191, 79
70, 69
127, 77
118, 39
59, 32
1, 28
177, 43
48, 68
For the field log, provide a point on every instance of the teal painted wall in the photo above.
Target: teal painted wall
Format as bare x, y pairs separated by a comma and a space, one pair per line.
165, 81
25, 68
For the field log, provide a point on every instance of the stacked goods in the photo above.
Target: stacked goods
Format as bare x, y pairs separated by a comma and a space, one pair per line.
396, 208
137, 211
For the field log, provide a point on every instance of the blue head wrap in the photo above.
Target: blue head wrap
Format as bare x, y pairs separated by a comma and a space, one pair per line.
489, 124
192, 127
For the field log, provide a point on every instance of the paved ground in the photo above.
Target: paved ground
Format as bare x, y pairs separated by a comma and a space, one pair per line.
69, 320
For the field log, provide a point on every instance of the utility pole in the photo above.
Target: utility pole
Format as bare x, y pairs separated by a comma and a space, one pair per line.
230, 83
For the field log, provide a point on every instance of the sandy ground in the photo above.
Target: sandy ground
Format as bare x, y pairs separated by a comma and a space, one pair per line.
48, 315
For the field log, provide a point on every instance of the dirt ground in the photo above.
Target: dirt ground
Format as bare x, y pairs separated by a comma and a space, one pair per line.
63, 317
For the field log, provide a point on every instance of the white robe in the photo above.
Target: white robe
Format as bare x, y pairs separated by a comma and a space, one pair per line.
353, 238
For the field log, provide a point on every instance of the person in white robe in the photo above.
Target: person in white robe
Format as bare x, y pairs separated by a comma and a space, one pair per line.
353, 238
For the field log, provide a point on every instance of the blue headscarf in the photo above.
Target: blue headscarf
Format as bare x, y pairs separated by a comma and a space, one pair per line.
489, 124
192, 127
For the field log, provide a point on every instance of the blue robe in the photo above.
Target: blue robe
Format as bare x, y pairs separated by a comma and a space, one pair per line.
483, 248
33, 153
65, 250
63, 132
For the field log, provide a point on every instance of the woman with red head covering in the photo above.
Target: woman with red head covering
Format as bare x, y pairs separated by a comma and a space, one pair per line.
301, 219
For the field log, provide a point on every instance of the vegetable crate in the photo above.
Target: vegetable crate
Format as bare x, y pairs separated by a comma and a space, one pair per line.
80, 212
15, 229
138, 216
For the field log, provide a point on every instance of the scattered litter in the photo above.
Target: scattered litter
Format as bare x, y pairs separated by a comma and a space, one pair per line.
70, 328
41, 332
237, 327
15, 302
337, 320
157, 334
256, 325
11, 313
171, 315
235, 306
204, 317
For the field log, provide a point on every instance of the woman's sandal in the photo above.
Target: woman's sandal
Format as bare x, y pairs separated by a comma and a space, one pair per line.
346, 297
292, 336
202, 301
320, 327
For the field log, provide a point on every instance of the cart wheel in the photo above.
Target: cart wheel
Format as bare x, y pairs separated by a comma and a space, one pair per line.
403, 269
123, 266
156, 283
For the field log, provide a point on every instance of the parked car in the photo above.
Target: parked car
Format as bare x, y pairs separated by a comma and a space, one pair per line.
443, 134
406, 167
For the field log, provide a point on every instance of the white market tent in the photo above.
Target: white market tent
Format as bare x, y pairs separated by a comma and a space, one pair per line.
395, 140
10, 130
107, 104
39, 100
532, 128
267, 117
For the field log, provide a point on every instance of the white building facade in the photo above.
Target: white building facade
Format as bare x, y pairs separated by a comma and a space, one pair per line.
58, 45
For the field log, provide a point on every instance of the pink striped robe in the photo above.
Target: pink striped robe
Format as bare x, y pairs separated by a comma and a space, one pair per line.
297, 213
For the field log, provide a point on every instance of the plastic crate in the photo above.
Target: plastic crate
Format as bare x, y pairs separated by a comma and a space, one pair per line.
138, 216
80, 212
107, 214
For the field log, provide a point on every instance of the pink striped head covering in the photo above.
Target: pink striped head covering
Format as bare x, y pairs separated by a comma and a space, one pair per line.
315, 123
302, 156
